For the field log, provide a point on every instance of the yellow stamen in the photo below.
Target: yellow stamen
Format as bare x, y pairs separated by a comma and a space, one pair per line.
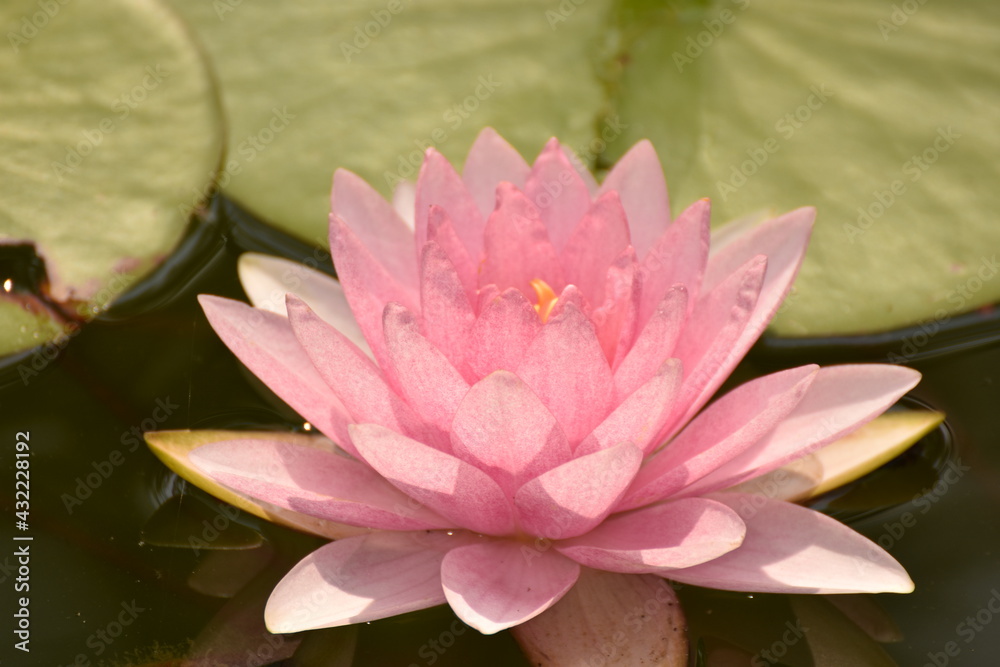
546, 298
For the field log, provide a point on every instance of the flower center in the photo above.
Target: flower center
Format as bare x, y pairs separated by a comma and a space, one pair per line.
546, 299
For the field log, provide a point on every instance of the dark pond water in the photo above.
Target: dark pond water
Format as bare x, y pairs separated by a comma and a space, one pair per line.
131, 566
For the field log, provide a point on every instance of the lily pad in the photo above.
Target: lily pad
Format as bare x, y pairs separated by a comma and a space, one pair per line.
111, 133
884, 116
316, 85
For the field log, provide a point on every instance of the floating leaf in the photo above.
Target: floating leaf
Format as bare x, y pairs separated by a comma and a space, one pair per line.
317, 85
884, 116
111, 132
173, 448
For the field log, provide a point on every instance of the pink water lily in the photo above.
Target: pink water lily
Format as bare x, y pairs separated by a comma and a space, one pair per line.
514, 367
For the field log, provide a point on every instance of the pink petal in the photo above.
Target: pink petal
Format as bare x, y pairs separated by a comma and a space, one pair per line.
264, 342
267, 279
561, 195
440, 230
617, 317
492, 160
783, 240
429, 383
599, 237
486, 294
494, 585
791, 549
654, 344
639, 418
566, 367
376, 225
439, 184
575, 497
358, 382
676, 534
361, 579
313, 482
733, 230
517, 246
503, 429
726, 429
446, 311
446, 484
367, 284
839, 400
571, 298
707, 344
638, 178
404, 202
677, 258
581, 166
506, 326
632, 619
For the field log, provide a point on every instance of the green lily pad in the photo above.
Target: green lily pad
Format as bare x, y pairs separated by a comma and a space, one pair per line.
367, 86
111, 133
885, 116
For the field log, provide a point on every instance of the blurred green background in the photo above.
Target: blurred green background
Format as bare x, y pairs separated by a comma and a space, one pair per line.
121, 116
